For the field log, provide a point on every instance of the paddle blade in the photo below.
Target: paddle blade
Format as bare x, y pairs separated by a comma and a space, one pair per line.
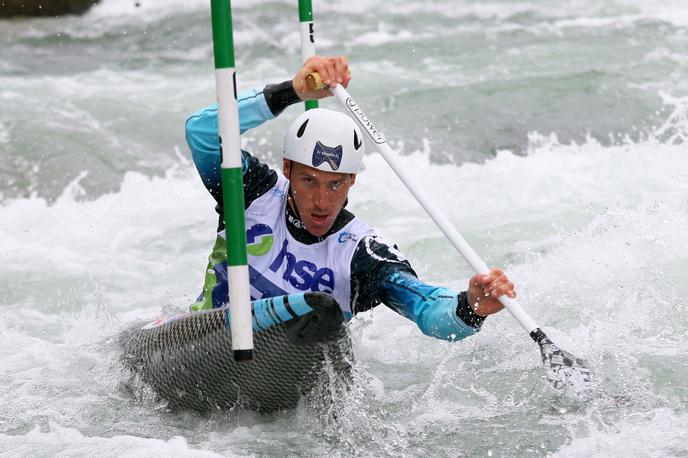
564, 370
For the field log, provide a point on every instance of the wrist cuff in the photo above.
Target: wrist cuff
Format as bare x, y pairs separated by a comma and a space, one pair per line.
465, 312
280, 96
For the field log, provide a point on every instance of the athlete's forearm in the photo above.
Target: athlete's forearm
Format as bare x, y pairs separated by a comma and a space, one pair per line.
280, 96
438, 312
255, 107
203, 138
253, 111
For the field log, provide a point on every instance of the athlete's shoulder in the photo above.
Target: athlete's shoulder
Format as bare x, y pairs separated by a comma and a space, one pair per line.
259, 178
373, 253
375, 260
350, 229
379, 248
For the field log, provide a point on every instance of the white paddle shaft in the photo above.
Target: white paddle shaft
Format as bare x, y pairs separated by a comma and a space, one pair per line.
435, 213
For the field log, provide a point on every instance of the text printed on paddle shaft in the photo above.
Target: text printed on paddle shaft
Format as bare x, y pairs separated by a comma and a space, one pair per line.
365, 122
303, 275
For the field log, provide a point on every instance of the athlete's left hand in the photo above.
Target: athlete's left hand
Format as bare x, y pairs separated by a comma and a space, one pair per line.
333, 70
483, 291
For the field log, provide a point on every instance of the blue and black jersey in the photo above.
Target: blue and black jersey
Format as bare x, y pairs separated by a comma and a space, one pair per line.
378, 272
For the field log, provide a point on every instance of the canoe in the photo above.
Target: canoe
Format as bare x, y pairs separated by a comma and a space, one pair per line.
187, 359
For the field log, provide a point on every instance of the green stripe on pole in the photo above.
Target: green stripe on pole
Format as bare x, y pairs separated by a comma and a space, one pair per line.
305, 10
223, 40
306, 16
235, 228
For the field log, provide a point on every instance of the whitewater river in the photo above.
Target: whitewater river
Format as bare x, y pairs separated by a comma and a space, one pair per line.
554, 134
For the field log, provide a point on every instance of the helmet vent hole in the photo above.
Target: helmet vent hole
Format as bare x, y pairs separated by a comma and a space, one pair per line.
357, 141
302, 129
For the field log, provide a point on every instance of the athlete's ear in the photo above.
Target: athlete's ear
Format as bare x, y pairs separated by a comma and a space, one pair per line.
353, 179
286, 168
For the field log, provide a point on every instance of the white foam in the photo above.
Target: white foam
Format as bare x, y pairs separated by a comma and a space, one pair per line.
564, 183
599, 237
383, 35
157, 228
659, 432
121, 239
670, 11
592, 22
452, 9
661, 54
63, 441
4, 134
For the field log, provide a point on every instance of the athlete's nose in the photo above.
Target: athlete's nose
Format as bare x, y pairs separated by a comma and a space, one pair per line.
321, 197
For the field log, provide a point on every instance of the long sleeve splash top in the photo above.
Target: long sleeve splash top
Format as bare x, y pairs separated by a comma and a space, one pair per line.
379, 273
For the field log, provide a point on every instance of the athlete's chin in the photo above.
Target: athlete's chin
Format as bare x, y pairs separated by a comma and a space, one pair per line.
319, 228
318, 232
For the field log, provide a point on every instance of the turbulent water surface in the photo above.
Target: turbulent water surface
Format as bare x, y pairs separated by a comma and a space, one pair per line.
552, 133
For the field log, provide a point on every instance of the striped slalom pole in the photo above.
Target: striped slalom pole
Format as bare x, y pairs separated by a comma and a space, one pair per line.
232, 181
307, 38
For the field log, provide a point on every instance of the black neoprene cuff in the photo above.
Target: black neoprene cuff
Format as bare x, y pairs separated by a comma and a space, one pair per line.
280, 96
465, 312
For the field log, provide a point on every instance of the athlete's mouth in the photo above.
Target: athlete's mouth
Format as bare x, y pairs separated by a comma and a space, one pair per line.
319, 218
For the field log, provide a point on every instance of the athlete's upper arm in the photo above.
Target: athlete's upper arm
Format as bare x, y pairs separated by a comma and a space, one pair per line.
373, 258
438, 311
203, 140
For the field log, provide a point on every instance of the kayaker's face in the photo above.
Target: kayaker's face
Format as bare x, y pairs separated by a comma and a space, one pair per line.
319, 196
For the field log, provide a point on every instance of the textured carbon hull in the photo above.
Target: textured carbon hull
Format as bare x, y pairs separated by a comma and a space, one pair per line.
188, 360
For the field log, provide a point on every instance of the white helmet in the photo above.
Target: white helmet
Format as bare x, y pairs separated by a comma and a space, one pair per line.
326, 140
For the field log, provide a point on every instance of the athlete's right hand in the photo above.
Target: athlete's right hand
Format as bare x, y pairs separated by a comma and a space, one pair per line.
484, 290
333, 70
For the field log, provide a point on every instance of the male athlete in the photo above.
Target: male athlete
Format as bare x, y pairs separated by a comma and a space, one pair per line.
301, 238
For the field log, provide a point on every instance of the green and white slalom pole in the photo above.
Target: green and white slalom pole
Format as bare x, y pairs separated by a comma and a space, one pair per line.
232, 181
307, 38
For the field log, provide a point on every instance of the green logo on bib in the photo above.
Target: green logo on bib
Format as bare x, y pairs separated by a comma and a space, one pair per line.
259, 239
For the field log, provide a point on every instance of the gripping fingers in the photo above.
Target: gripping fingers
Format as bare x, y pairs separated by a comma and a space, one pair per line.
496, 283
499, 287
503, 288
326, 69
342, 70
334, 70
